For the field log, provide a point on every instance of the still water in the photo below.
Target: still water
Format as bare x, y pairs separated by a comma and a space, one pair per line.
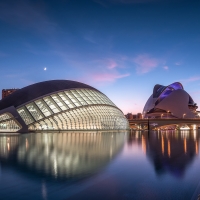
100, 165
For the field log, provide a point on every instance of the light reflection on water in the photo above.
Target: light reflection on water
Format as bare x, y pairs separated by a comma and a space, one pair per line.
60, 155
100, 165
169, 151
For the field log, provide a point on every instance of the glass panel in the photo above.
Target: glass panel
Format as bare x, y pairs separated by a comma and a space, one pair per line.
59, 122
92, 117
25, 115
75, 93
69, 94
35, 112
84, 92
49, 124
69, 103
4, 117
51, 104
43, 107
64, 123
81, 93
37, 126
54, 123
43, 125
9, 126
59, 102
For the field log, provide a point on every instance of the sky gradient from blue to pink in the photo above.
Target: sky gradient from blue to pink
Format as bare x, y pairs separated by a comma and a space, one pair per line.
121, 47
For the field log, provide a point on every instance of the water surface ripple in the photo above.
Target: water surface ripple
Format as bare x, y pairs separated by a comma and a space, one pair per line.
100, 165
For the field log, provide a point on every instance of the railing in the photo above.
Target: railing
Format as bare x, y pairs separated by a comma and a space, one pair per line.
163, 119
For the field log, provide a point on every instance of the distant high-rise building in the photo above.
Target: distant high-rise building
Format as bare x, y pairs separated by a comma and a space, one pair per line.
129, 116
6, 92
134, 116
139, 116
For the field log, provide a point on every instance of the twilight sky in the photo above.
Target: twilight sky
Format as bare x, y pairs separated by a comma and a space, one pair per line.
121, 47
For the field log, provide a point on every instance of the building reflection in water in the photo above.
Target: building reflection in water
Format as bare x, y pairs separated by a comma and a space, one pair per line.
60, 155
169, 151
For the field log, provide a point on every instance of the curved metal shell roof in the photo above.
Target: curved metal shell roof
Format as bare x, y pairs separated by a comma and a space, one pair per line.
171, 98
36, 90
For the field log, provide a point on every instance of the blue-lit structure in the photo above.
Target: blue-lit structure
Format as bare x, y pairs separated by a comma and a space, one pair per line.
59, 105
170, 101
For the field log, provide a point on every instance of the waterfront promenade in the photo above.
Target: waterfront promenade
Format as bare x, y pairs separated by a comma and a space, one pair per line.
173, 123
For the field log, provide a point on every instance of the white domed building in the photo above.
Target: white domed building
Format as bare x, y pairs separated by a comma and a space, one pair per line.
59, 105
170, 101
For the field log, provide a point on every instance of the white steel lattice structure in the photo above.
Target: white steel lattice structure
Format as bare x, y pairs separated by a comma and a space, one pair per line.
8, 123
62, 105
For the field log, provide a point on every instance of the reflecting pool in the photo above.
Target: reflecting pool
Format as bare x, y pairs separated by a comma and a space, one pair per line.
100, 165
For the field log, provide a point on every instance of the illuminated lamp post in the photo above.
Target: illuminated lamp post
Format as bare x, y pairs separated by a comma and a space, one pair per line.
184, 115
161, 116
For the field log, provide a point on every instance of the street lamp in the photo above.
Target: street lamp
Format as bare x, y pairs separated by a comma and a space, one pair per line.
168, 114
184, 115
161, 116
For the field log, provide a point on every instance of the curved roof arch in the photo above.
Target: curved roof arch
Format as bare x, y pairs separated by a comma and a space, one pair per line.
36, 90
168, 90
176, 85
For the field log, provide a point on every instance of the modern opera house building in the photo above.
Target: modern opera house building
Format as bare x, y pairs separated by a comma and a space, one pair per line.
170, 101
59, 105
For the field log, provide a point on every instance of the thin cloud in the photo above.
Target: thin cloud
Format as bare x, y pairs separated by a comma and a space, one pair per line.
25, 14
166, 67
108, 77
178, 63
145, 63
112, 64
191, 79
90, 39
99, 71
107, 63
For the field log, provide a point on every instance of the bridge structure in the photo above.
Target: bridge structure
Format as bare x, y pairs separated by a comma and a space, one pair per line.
165, 124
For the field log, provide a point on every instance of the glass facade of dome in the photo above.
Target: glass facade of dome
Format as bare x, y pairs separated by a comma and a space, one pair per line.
70, 109
7, 123
59, 105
